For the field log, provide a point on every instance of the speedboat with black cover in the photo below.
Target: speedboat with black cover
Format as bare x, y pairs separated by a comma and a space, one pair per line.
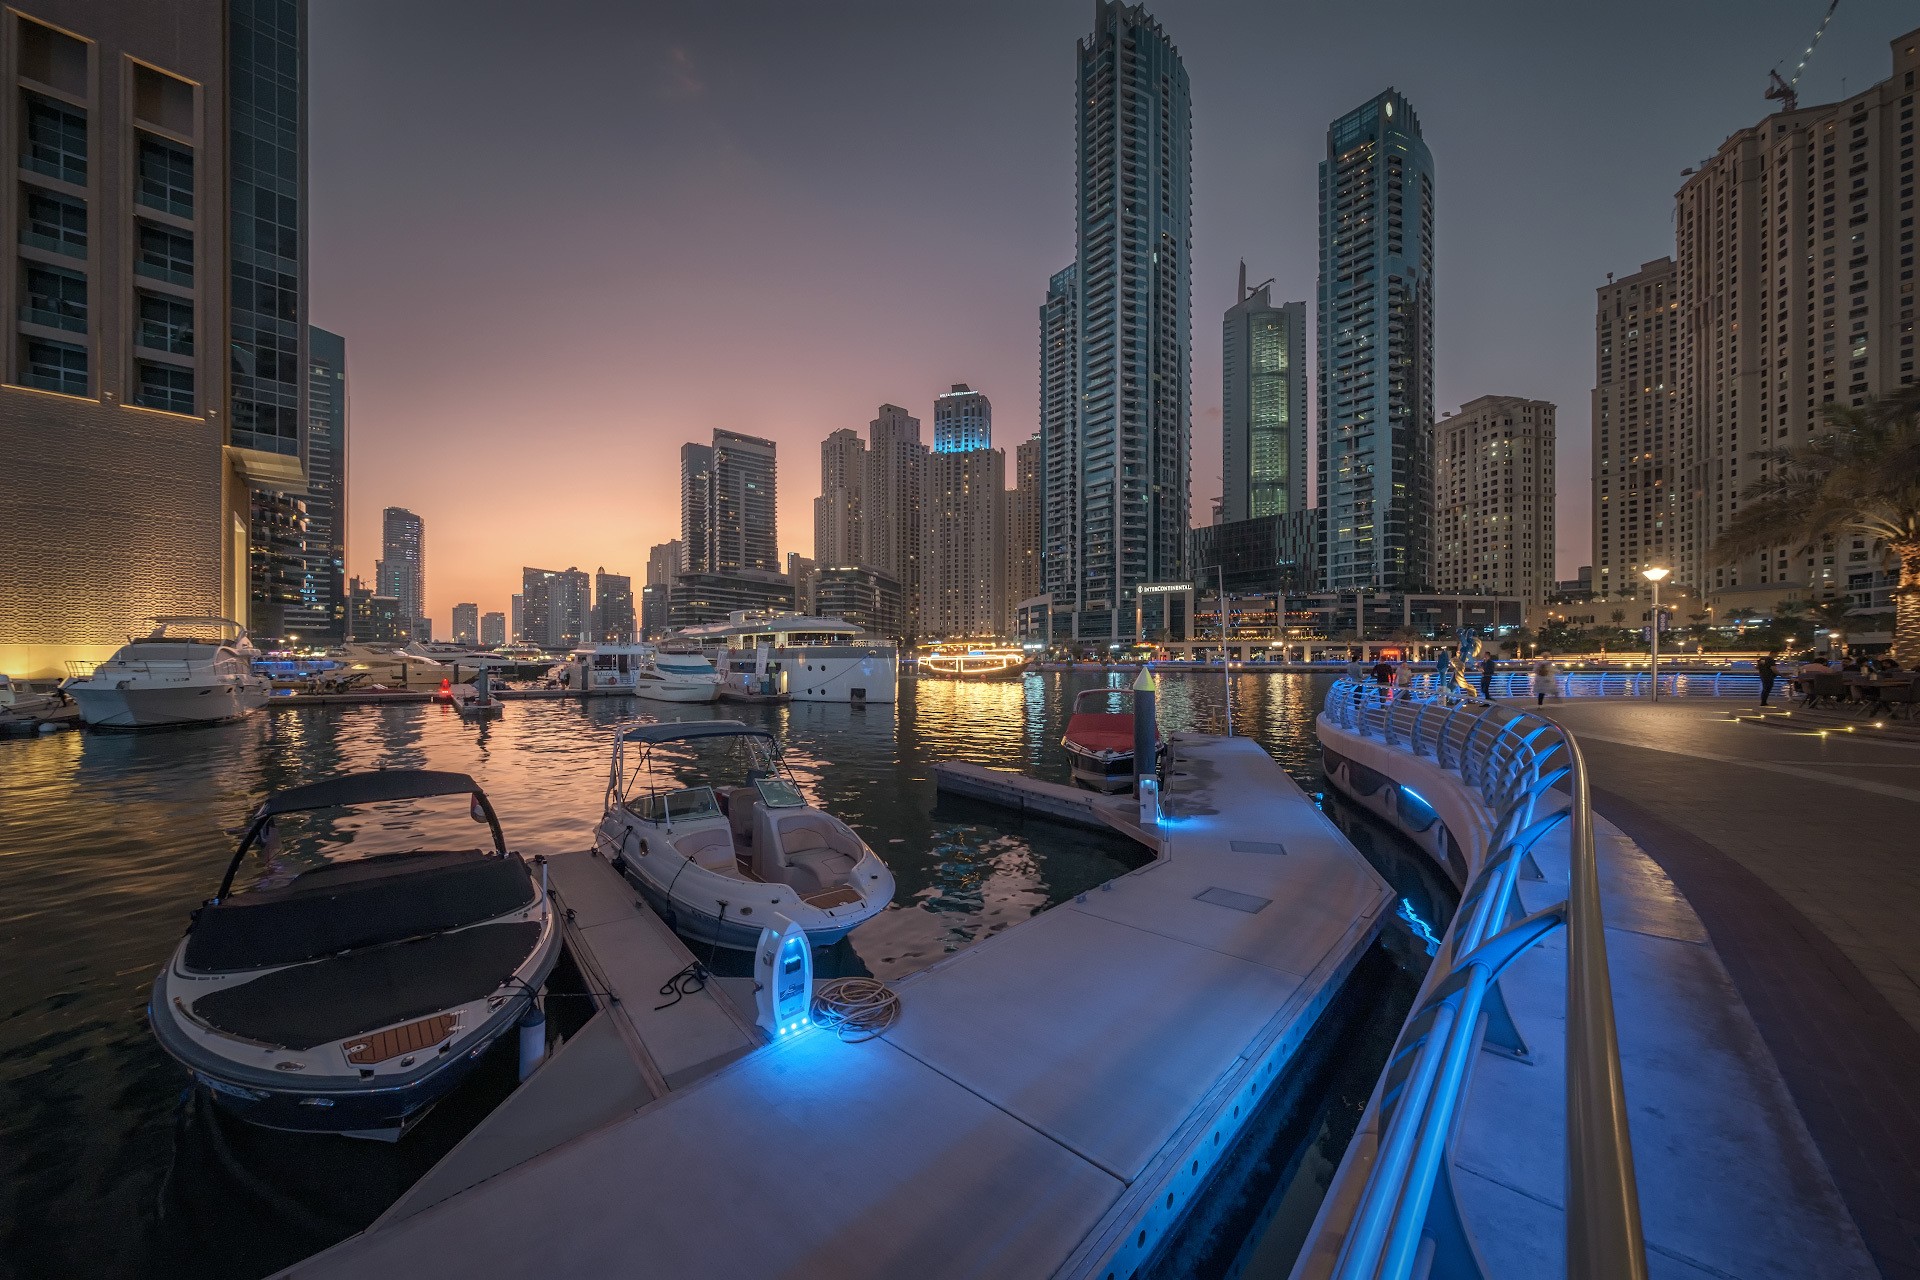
347, 992
742, 846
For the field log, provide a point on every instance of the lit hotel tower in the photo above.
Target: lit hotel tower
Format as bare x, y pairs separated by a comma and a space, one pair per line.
1127, 442
1263, 365
1376, 351
156, 320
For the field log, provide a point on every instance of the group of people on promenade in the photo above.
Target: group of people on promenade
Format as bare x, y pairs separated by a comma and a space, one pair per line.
1391, 674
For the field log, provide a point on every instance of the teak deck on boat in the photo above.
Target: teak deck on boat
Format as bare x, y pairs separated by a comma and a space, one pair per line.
1049, 1103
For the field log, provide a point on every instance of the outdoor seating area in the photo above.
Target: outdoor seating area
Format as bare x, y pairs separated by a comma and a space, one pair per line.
1891, 694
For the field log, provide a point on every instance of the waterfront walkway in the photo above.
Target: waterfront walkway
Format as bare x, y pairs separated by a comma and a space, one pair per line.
1800, 853
1048, 1105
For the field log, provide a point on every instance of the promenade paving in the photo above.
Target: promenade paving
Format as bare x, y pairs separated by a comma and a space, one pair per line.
1801, 855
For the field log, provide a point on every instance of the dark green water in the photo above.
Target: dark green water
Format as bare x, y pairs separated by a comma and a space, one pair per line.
110, 1167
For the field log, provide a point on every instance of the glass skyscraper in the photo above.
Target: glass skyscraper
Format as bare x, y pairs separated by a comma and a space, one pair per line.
1129, 434
1376, 350
1263, 406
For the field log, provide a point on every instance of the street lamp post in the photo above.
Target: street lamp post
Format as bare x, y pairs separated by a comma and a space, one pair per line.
1653, 653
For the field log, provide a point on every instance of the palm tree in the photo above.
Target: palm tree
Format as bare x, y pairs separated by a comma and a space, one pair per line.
1860, 478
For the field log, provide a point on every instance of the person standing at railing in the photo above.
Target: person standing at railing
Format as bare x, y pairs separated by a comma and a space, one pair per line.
1488, 665
1767, 672
1542, 681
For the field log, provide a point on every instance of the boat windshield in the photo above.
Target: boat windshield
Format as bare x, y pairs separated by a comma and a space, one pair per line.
778, 793
678, 806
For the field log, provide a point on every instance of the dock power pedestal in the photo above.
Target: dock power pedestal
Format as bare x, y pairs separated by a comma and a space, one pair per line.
783, 979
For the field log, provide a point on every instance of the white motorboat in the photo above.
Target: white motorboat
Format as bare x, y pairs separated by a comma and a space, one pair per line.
177, 674
810, 659
676, 677
347, 994
721, 862
364, 666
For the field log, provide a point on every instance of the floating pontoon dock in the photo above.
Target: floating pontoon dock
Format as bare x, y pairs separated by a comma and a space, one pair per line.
1049, 1103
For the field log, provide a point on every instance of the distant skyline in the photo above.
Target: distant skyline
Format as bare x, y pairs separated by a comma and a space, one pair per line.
675, 222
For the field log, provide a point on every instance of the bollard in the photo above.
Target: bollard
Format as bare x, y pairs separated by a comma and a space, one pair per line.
533, 1039
1146, 735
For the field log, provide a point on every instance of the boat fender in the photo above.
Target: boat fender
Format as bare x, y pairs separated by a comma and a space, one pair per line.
533, 1038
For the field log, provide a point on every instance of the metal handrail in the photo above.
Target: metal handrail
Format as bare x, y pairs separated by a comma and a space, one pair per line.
1426, 1077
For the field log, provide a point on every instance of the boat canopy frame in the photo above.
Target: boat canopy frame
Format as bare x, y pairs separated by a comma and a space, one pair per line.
621, 783
373, 786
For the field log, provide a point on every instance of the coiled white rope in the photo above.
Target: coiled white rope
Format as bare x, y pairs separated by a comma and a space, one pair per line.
856, 1008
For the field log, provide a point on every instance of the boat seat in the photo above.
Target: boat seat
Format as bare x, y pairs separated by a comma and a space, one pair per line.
711, 847
805, 849
740, 805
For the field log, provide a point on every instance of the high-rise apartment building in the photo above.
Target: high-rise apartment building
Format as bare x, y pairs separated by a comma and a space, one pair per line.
962, 420
1375, 391
1795, 273
373, 617
696, 508
277, 541
663, 567
613, 619
466, 624
322, 611
963, 582
745, 531
1493, 499
1131, 431
1059, 455
402, 569
1025, 503
840, 510
493, 630
557, 605
894, 520
663, 562
141, 138
1636, 402
517, 627
1264, 405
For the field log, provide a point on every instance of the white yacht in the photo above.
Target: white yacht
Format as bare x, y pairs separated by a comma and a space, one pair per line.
640, 670
677, 677
175, 674
810, 659
721, 862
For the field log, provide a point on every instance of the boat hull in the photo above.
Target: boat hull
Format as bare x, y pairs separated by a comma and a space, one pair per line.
674, 691
133, 706
1113, 774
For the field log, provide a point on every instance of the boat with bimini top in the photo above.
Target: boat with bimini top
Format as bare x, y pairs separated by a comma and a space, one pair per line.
741, 846
346, 990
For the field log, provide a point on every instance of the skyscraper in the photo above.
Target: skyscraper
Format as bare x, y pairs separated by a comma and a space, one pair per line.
1794, 266
402, 569
1375, 388
1059, 452
518, 606
139, 140
963, 583
962, 420
557, 604
493, 630
1264, 405
466, 624
744, 520
322, 614
1636, 401
1131, 433
840, 510
613, 607
893, 524
1024, 505
1493, 499
696, 508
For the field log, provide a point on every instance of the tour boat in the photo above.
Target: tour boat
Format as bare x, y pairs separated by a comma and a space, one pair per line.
348, 994
817, 659
677, 677
973, 659
172, 676
1099, 739
724, 857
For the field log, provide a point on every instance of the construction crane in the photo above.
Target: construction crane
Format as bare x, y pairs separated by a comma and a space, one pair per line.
1788, 91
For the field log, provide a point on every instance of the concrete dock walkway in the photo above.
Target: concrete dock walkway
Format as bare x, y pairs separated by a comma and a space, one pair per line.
1049, 1103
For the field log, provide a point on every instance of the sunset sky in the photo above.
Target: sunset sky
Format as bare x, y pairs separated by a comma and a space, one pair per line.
562, 239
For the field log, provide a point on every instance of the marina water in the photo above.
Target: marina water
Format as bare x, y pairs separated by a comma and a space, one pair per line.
110, 1166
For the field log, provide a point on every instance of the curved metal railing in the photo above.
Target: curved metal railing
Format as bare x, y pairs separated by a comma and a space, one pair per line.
1605, 684
1400, 1226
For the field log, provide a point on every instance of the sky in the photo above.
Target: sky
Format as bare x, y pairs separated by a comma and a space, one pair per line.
562, 239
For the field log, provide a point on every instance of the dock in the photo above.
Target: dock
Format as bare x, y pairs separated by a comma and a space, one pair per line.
1050, 1102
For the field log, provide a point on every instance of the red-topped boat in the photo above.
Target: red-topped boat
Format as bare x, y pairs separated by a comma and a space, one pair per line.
1099, 738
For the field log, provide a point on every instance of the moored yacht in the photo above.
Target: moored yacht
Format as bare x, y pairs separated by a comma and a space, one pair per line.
810, 659
741, 848
677, 677
185, 671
